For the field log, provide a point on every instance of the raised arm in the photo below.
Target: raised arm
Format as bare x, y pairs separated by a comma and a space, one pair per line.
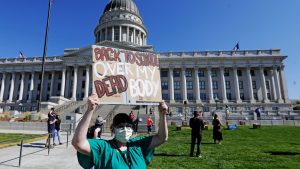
79, 140
162, 135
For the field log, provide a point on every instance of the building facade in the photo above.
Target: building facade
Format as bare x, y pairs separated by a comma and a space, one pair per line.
242, 79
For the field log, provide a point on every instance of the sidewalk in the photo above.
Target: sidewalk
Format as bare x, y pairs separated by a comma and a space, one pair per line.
35, 156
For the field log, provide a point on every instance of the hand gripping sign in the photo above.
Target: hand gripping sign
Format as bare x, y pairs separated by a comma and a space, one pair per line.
125, 77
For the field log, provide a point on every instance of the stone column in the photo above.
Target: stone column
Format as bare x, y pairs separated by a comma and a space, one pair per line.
74, 83
12, 87
67, 87
263, 85
113, 34
21, 87
171, 82
209, 86
31, 88
52, 82
196, 84
273, 87
63, 82
2, 86
120, 33
284, 85
236, 85
134, 40
223, 85
105, 34
87, 82
277, 85
251, 98
183, 81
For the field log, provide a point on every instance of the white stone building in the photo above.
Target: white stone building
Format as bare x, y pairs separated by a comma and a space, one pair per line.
242, 79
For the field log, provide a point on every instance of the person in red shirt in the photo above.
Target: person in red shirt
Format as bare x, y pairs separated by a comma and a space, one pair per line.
149, 124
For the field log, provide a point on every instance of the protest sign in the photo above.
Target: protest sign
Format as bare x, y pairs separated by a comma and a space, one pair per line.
125, 77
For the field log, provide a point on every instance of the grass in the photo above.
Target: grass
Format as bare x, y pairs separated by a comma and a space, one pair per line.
11, 139
244, 148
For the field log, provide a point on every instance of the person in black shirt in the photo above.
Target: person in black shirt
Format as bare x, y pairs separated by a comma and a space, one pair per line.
51, 127
197, 125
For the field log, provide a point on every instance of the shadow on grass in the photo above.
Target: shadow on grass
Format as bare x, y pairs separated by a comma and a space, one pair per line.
201, 143
282, 153
169, 155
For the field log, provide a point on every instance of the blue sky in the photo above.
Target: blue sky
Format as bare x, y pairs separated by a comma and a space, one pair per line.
173, 25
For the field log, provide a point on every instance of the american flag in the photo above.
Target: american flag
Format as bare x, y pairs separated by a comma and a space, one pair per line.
236, 47
21, 56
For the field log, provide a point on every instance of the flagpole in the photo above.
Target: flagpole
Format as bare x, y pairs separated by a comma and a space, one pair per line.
44, 57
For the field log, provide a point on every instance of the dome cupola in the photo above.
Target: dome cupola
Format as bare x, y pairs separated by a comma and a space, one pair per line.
121, 22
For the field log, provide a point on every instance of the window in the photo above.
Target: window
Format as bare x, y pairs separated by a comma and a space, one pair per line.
226, 72
33, 108
200, 73
255, 96
68, 117
268, 85
214, 73
203, 96
189, 85
49, 76
275, 108
205, 109
163, 73
116, 33
177, 96
269, 96
239, 73
48, 86
109, 34
215, 85
252, 72
178, 110
227, 84
188, 73
202, 85
58, 86
228, 95
59, 76
190, 96
254, 84
83, 73
242, 96
176, 73
103, 35
215, 95
164, 85
83, 84
176, 85
266, 72
241, 85
165, 96
40, 76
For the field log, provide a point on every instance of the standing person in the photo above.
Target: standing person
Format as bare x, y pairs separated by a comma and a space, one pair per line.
149, 124
121, 151
131, 116
227, 112
197, 125
99, 127
57, 130
258, 113
217, 130
51, 127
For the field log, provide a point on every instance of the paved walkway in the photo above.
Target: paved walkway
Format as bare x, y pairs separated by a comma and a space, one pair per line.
35, 155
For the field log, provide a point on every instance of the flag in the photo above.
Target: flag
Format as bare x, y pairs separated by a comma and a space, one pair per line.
21, 56
236, 47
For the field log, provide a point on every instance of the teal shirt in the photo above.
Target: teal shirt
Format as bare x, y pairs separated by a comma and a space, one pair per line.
105, 156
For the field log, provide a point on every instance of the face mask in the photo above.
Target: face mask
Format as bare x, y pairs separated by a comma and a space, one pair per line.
123, 134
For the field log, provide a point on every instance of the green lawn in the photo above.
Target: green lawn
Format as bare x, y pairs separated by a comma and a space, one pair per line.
10, 139
267, 147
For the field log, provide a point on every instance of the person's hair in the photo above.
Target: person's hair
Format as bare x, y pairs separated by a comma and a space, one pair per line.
121, 118
195, 113
215, 116
52, 108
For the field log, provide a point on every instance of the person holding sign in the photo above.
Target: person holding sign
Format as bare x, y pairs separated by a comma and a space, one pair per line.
122, 152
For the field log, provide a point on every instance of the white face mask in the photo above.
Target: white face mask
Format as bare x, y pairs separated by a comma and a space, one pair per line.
123, 134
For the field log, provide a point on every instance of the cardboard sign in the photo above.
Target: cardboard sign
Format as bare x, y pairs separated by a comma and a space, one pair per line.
125, 77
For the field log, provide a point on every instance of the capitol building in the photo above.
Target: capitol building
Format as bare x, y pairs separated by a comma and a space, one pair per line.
206, 80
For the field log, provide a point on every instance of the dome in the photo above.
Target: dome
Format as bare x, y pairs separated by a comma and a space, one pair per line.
127, 5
